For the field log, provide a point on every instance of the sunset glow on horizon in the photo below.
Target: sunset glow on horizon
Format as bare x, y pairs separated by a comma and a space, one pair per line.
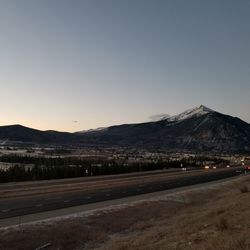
76, 65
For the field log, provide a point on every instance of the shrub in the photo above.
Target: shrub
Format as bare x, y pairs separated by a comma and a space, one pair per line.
222, 224
244, 189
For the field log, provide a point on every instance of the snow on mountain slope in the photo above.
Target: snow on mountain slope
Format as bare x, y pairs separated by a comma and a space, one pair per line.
197, 111
159, 117
101, 129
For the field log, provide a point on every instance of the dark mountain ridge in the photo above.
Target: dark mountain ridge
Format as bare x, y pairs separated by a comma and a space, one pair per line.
24, 134
197, 129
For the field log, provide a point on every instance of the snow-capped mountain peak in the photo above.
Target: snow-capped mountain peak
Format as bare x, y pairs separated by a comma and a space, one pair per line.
197, 111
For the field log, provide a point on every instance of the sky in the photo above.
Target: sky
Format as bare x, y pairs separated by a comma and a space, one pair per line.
72, 65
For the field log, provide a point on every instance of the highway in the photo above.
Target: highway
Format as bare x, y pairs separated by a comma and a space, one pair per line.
18, 199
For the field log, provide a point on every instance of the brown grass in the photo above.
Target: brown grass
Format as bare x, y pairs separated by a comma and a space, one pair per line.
244, 189
212, 219
222, 224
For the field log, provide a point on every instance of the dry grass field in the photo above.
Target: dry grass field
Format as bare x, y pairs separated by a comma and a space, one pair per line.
215, 217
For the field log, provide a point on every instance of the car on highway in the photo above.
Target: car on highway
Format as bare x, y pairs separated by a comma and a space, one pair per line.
239, 171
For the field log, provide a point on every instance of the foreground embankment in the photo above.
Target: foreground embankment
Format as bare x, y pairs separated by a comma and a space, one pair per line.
209, 216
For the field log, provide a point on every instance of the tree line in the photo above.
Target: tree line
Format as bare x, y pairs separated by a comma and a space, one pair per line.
45, 168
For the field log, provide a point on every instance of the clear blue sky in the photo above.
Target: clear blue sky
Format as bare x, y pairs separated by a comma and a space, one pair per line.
105, 62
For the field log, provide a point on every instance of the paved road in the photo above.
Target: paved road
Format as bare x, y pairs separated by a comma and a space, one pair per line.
29, 184
81, 184
105, 189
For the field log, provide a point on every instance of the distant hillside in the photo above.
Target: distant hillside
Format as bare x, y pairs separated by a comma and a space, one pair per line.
198, 129
24, 134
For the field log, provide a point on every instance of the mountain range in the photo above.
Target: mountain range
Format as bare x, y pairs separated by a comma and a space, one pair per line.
199, 129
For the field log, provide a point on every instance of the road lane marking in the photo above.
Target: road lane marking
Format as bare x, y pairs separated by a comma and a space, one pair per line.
5, 210
107, 190
66, 201
54, 198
